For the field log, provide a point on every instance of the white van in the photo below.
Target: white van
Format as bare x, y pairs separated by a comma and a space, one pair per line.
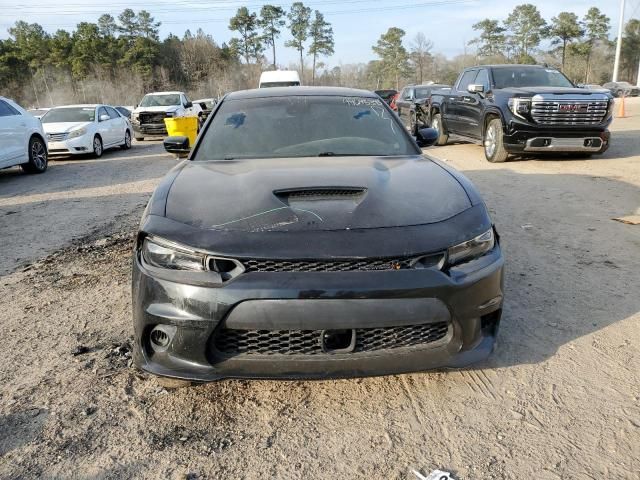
279, 78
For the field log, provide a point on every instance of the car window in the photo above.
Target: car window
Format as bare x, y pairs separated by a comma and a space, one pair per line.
167, 100
101, 111
407, 93
467, 79
423, 92
303, 126
112, 113
517, 77
483, 79
7, 110
70, 114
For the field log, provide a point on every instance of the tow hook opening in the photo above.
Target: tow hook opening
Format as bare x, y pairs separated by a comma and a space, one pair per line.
338, 341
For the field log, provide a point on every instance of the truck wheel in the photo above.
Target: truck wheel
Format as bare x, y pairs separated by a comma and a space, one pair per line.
437, 125
139, 139
494, 149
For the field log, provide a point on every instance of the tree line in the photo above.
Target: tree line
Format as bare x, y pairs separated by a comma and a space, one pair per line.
118, 59
579, 47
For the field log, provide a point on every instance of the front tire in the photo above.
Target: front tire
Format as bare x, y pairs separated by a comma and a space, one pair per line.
98, 148
38, 158
494, 150
139, 139
436, 124
127, 141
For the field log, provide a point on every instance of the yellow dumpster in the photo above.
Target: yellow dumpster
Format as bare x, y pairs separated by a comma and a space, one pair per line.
183, 127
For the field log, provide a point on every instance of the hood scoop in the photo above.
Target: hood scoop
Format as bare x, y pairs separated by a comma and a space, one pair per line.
320, 193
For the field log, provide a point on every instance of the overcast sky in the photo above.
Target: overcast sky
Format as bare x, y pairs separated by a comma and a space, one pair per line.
357, 24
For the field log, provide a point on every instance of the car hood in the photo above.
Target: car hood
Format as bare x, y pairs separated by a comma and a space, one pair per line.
170, 108
63, 127
314, 194
548, 90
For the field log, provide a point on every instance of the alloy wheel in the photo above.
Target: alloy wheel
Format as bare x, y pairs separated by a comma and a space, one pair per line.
490, 139
97, 146
38, 155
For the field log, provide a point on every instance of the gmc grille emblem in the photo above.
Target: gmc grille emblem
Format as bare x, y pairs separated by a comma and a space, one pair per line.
573, 107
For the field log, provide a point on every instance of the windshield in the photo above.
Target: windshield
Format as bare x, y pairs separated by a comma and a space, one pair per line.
423, 92
279, 84
529, 77
160, 100
76, 114
303, 126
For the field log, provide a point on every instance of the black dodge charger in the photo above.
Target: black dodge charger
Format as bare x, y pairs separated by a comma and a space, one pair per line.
307, 236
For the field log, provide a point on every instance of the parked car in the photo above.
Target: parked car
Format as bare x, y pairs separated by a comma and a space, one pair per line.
349, 254
413, 105
619, 89
279, 78
386, 95
22, 139
148, 117
207, 105
124, 111
522, 109
82, 129
38, 112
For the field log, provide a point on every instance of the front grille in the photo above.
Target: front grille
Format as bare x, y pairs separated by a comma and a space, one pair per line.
57, 137
569, 112
155, 117
332, 266
308, 342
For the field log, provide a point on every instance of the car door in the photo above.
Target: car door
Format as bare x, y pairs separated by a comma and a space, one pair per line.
13, 141
471, 107
454, 117
104, 126
404, 104
117, 125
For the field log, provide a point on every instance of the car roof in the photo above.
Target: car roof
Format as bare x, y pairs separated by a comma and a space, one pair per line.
164, 93
301, 92
518, 65
81, 105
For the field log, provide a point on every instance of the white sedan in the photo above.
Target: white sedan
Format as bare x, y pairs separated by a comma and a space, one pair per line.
22, 139
82, 129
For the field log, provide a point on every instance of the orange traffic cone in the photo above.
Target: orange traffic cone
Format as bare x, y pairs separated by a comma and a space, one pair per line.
621, 112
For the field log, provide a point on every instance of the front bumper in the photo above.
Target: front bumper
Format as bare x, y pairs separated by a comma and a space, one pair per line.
557, 140
151, 129
468, 299
74, 146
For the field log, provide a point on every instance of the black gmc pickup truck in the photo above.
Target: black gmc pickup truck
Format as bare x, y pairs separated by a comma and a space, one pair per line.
522, 109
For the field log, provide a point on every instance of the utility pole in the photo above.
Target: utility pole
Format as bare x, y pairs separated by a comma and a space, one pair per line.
616, 65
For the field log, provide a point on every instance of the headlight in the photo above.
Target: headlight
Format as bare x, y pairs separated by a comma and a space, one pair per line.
474, 248
520, 106
159, 254
77, 133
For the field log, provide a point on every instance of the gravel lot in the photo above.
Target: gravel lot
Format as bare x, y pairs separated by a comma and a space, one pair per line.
560, 398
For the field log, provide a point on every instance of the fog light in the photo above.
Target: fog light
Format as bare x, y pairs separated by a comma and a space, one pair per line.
161, 337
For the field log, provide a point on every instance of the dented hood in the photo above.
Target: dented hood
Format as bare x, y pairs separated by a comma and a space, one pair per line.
314, 194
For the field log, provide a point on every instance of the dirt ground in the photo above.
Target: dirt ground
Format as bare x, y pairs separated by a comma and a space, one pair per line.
559, 399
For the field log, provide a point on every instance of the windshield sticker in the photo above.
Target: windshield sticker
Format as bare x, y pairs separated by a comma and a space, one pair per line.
361, 114
236, 120
362, 101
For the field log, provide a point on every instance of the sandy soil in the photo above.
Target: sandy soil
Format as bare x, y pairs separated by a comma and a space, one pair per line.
560, 398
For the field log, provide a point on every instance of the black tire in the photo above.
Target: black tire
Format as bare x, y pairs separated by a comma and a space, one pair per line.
127, 141
139, 139
492, 142
436, 124
38, 157
98, 147
619, 93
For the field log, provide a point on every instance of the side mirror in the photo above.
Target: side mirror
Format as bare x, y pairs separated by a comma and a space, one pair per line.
178, 146
426, 137
475, 88
104, 118
188, 105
